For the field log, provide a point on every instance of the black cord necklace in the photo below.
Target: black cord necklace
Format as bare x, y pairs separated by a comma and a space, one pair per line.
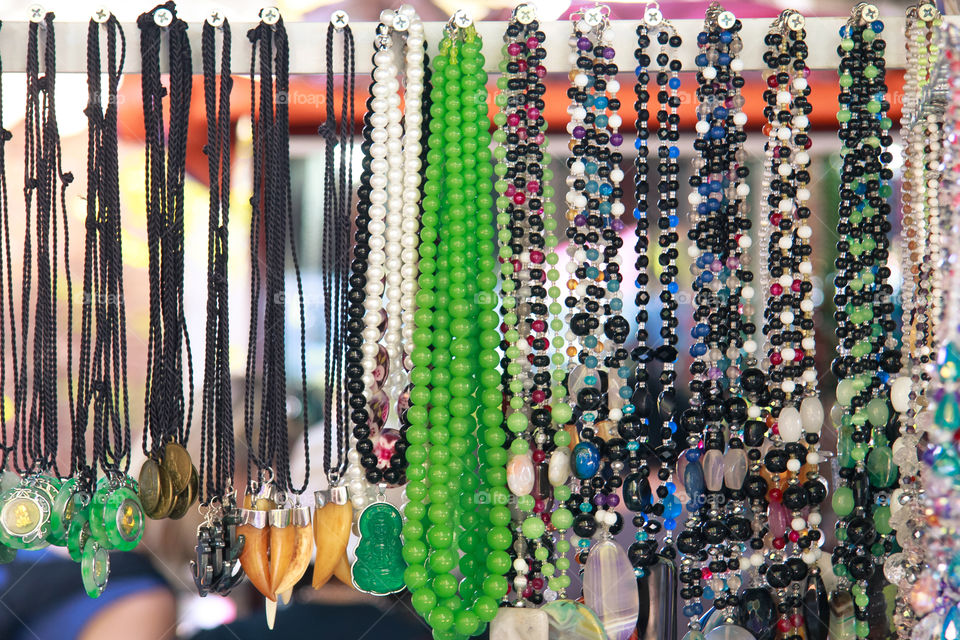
337, 204
170, 487
272, 222
217, 567
25, 520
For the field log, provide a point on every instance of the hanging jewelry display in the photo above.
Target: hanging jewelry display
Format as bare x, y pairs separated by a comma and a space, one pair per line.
724, 369
168, 479
922, 132
794, 414
278, 534
644, 444
456, 333
868, 352
527, 253
217, 567
25, 515
932, 587
595, 321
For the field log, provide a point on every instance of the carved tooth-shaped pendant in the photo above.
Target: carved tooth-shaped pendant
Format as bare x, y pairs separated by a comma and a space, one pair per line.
255, 558
283, 540
610, 589
331, 531
302, 550
343, 571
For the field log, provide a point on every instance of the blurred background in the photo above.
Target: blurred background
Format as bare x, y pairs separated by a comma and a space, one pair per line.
166, 595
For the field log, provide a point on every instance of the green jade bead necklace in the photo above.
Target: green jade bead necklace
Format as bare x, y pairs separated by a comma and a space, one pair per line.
457, 475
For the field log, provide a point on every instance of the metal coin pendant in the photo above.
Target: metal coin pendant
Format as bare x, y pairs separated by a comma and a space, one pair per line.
178, 465
379, 567
150, 485
123, 519
166, 496
186, 497
25, 516
94, 567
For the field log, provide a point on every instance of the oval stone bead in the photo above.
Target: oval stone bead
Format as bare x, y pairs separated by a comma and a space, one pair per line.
779, 519
693, 482
713, 469
636, 492
758, 612
791, 427
878, 412
734, 468
586, 460
559, 467
842, 501
880, 468
900, 394
811, 414
520, 474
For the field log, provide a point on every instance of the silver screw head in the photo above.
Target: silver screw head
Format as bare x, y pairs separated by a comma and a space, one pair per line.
462, 19
100, 15
652, 16
216, 18
796, 21
726, 19
270, 15
526, 13
869, 13
36, 12
162, 17
401, 22
340, 19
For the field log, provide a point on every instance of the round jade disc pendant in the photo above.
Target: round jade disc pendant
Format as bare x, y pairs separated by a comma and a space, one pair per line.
94, 567
65, 505
96, 513
25, 517
123, 519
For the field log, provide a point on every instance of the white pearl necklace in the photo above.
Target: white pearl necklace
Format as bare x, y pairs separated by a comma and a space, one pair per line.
392, 265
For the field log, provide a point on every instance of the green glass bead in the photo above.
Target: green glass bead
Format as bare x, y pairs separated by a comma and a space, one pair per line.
842, 501
533, 527
880, 467
845, 392
881, 520
878, 412
562, 518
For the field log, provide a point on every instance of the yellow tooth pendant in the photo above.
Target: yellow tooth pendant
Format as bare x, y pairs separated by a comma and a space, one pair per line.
302, 551
254, 527
331, 531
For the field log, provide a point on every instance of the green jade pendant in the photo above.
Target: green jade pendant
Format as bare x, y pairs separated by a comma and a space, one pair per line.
116, 514
25, 512
380, 565
68, 502
94, 567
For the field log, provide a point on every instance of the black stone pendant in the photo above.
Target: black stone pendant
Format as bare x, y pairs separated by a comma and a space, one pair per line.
816, 608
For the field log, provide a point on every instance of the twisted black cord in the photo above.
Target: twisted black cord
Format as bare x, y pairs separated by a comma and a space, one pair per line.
216, 426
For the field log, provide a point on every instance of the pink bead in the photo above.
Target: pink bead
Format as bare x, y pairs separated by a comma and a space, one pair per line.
522, 133
797, 355
536, 257
532, 186
513, 49
541, 71
533, 113
795, 286
776, 358
519, 198
794, 536
538, 396
513, 120
527, 591
539, 138
539, 326
776, 289
532, 43
784, 625
510, 190
522, 66
706, 573
538, 455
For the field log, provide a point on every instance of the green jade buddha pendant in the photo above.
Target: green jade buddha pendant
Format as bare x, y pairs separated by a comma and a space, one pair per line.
379, 567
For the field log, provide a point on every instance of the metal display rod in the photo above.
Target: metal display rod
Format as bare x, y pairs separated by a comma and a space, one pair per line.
307, 51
